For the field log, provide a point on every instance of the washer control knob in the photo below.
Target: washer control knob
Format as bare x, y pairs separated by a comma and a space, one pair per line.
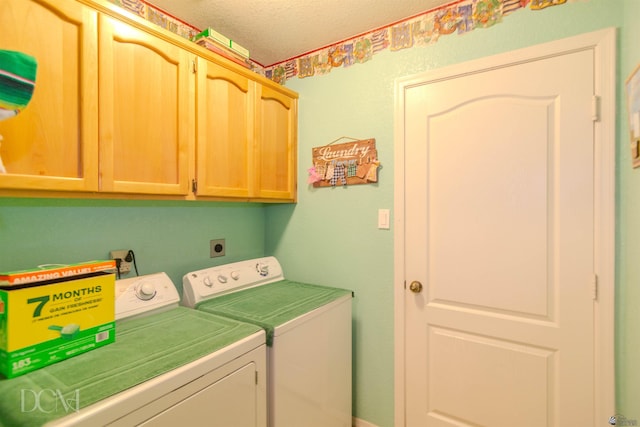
145, 291
207, 281
222, 278
263, 269
235, 275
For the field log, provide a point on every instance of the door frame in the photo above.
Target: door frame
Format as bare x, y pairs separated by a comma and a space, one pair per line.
603, 43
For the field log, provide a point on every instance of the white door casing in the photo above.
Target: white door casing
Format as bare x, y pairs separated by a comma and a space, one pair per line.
470, 329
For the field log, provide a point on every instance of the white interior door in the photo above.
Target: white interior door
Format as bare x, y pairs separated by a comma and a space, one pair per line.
500, 230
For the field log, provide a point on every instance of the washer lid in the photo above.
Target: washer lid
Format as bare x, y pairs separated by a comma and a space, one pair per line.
273, 304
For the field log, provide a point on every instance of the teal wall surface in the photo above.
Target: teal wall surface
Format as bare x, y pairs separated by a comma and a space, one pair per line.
331, 235
628, 232
165, 236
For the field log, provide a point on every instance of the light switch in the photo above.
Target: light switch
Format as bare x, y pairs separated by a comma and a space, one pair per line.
636, 124
383, 219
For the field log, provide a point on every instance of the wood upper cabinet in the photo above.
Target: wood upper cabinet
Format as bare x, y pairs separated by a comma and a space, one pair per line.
276, 142
246, 136
53, 143
123, 108
224, 132
144, 111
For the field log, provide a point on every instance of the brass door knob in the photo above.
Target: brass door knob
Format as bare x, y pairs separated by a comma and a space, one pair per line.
415, 287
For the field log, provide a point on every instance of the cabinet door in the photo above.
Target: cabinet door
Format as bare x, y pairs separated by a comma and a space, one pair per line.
144, 112
224, 139
52, 143
276, 153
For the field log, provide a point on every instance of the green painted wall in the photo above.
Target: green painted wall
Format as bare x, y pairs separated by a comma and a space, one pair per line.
331, 235
628, 232
165, 236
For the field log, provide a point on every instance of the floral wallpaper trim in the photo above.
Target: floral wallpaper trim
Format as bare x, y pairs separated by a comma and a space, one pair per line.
161, 18
458, 17
158, 17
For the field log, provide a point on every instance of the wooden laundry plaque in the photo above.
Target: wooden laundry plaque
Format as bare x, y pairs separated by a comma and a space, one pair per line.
349, 163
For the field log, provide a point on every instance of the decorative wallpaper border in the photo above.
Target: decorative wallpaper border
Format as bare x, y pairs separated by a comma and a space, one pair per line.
458, 17
158, 17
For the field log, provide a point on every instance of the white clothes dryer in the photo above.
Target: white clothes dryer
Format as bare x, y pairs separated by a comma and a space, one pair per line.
308, 331
169, 366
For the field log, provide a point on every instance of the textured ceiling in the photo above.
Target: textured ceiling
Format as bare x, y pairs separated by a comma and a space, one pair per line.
277, 30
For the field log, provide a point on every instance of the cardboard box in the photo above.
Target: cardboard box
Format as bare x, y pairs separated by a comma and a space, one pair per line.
212, 34
45, 322
226, 53
239, 49
55, 271
215, 36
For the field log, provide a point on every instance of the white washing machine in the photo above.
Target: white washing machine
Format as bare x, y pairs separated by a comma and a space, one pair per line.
308, 336
169, 366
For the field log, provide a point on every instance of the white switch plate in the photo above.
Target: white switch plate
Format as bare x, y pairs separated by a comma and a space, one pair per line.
383, 219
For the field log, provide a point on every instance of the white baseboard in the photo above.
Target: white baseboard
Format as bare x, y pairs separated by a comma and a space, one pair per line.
357, 422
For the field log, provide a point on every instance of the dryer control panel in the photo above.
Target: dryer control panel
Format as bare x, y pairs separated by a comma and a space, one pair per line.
201, 285
145, 294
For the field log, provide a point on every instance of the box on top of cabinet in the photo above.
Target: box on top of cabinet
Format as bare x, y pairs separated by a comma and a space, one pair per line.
46, 322
215, 36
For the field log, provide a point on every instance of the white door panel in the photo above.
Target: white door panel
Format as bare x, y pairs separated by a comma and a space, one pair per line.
465, 366
489, 166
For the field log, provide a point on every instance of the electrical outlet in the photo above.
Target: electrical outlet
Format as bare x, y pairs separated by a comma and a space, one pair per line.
217, 248
125, 266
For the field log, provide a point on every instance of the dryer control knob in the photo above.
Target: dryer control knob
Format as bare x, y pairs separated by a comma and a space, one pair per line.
222, 278
207, 281
263, 269
235, 275
145, 291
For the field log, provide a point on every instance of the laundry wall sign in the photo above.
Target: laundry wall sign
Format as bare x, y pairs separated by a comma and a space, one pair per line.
349, 163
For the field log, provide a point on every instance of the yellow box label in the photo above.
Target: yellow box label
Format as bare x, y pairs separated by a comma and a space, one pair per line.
55, 311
